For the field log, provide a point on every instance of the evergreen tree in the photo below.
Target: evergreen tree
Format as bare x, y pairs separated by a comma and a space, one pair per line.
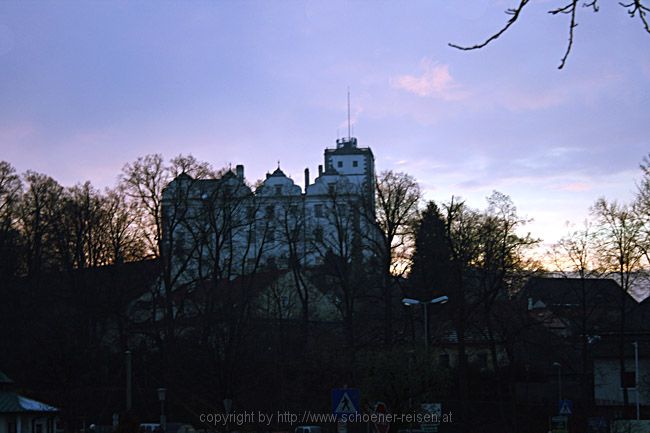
431, 258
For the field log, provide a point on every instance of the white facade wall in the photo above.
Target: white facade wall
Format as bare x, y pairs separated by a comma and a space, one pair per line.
607, 383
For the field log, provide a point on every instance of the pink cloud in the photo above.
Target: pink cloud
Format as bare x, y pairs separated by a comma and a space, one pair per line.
575, 187
435, 82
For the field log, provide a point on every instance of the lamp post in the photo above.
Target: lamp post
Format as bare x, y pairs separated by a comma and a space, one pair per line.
636, 378
129, 380
559, 381
163, 418
439, 300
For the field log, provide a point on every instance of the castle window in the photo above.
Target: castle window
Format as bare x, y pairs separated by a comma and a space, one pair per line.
331, 188
355, 163
318, 211
443, 360
278, 189
270, 212
340, 164
318, 234
250, 213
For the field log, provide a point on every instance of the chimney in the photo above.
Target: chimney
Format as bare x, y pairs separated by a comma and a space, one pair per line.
306, 178
320, 170
240, 171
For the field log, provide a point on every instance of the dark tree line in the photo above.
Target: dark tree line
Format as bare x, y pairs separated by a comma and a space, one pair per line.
152, 267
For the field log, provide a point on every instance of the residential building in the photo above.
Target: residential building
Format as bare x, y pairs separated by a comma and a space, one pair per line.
20, 414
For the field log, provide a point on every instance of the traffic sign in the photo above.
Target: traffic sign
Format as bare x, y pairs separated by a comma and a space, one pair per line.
565, 407
434, 410
382, 425
345, 401
560, 424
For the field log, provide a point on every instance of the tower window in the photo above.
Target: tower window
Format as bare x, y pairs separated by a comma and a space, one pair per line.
318, 210
278, 189
340, 164
355, 163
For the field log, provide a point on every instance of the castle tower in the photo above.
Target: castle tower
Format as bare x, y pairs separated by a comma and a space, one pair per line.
357, 164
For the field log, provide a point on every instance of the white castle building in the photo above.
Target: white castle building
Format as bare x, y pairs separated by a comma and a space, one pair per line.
223, 227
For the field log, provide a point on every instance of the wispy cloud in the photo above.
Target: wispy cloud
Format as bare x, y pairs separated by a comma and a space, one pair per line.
434, 82
524, 101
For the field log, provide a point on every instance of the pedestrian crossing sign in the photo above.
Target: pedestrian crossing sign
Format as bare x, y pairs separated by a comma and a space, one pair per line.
345, 401
566, 407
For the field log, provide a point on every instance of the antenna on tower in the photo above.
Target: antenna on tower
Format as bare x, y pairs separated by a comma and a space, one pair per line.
349, 135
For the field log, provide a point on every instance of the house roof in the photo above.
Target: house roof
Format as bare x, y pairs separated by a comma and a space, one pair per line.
568, 292
599, 300
4, 379
10, 402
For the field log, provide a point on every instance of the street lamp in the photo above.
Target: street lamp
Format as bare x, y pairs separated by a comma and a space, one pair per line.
559, 381
410, 302
163, 419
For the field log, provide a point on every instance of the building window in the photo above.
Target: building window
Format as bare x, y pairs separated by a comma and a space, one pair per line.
318, 234
481, 360
250, 213
278, 189
628, 380
331, 188
443, 360
270, 212
355, 163
318, 211
339, 164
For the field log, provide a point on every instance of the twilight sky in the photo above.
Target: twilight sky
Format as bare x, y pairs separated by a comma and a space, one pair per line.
87, 86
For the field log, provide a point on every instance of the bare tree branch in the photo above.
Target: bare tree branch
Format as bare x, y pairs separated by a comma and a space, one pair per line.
515, 15
568, 9
635, 7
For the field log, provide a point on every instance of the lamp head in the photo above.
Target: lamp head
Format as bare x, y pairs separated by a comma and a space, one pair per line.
410, 301
439, 300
